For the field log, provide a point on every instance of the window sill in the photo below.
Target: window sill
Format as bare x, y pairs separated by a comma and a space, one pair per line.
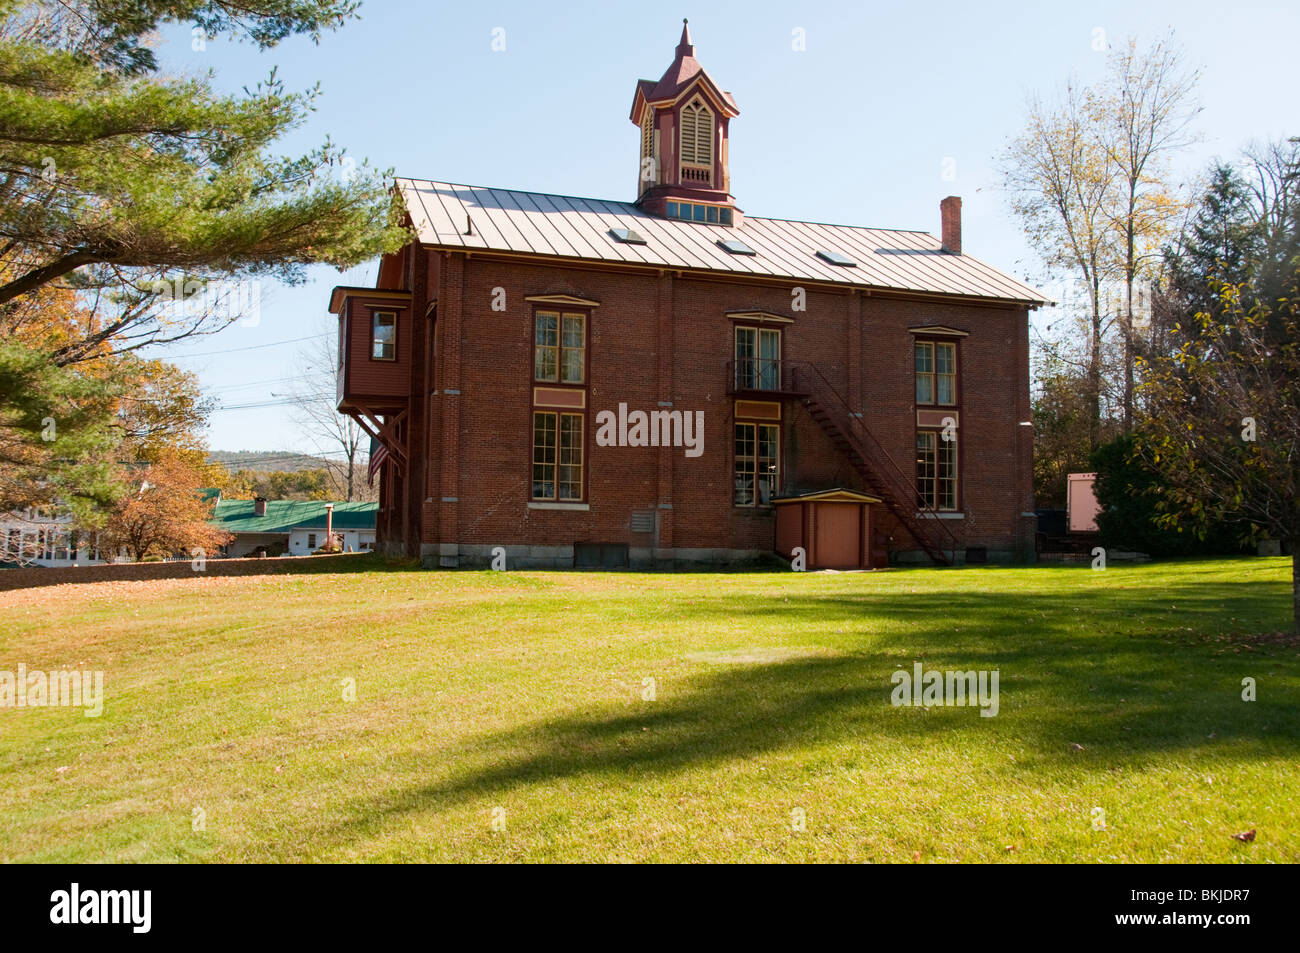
577, 507
941, 516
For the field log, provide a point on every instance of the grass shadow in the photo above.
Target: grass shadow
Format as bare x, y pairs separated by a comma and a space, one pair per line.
1110, 670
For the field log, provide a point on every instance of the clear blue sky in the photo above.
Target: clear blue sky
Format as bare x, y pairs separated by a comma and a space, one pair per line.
855, 129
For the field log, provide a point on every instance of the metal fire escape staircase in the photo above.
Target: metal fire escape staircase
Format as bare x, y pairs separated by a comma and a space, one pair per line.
850, 435
879, 472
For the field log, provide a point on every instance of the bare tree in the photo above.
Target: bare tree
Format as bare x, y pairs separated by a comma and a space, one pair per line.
1062, 187
1142, 115
1273, 180
339, 440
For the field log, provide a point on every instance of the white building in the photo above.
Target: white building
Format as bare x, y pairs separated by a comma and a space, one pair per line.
39, 537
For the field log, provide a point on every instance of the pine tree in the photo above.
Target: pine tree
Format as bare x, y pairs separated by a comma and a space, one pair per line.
117, 181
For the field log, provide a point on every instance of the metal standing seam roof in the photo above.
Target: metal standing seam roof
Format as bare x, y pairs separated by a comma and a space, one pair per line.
563, 226
285, 516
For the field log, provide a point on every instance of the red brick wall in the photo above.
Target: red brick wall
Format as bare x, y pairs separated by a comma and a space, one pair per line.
666, 337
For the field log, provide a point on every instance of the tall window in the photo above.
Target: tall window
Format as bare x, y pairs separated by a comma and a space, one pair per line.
757, 467
758, 359
936, 372
557, 456
936, 471
383, 335
560, 347
697, 134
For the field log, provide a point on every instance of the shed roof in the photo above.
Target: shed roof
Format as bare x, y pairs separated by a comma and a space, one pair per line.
567, 227
837, 494
285, 516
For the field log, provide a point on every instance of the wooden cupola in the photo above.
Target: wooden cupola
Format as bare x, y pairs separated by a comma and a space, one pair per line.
682, 171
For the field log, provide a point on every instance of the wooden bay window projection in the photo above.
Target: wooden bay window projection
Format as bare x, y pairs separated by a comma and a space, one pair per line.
561, 347
758, 358
557, 456
757, 463
383, 335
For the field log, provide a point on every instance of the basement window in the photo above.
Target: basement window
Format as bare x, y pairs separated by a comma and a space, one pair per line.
626, 236
835, 258
736, 247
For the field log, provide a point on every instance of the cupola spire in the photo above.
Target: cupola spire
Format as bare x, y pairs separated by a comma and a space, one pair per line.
685, 47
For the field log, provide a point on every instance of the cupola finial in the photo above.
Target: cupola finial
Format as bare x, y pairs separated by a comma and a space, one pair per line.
685, 47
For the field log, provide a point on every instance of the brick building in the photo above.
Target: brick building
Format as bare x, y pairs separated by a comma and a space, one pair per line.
591, 382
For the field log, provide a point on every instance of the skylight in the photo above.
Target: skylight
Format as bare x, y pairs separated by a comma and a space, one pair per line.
626, 236
835, 258
736, 247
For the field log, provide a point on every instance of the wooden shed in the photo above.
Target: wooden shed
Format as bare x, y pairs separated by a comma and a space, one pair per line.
832, 526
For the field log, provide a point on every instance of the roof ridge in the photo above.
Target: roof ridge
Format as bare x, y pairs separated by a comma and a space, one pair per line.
638, 210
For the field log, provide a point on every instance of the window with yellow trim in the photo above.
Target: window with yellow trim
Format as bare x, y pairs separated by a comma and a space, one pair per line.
936, 372
757, 463
758, 358
559, 347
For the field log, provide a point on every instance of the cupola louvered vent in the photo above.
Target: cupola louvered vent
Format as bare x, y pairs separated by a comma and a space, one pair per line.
697, 133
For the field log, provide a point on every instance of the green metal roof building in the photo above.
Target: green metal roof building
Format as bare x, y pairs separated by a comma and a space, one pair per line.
293, 527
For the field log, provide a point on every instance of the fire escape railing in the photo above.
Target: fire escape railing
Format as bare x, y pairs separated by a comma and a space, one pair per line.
755, 378
899, 491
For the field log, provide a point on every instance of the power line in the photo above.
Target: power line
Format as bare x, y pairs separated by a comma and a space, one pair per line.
254, 405
272, 380
252, 347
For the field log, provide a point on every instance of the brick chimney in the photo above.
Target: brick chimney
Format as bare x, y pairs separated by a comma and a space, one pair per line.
259, 506
950, 215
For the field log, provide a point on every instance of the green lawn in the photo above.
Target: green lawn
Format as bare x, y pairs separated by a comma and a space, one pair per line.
520, 696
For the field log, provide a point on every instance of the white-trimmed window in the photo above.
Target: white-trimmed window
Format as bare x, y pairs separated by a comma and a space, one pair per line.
758, 358
936, 471
757, 463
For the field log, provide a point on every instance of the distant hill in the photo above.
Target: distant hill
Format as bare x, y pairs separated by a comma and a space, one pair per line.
265, 460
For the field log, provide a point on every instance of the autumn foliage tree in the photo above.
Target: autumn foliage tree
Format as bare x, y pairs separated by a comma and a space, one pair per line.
59, 428
1223, 421
164, 513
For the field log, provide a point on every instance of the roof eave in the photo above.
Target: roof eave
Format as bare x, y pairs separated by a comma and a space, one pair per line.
740, 275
